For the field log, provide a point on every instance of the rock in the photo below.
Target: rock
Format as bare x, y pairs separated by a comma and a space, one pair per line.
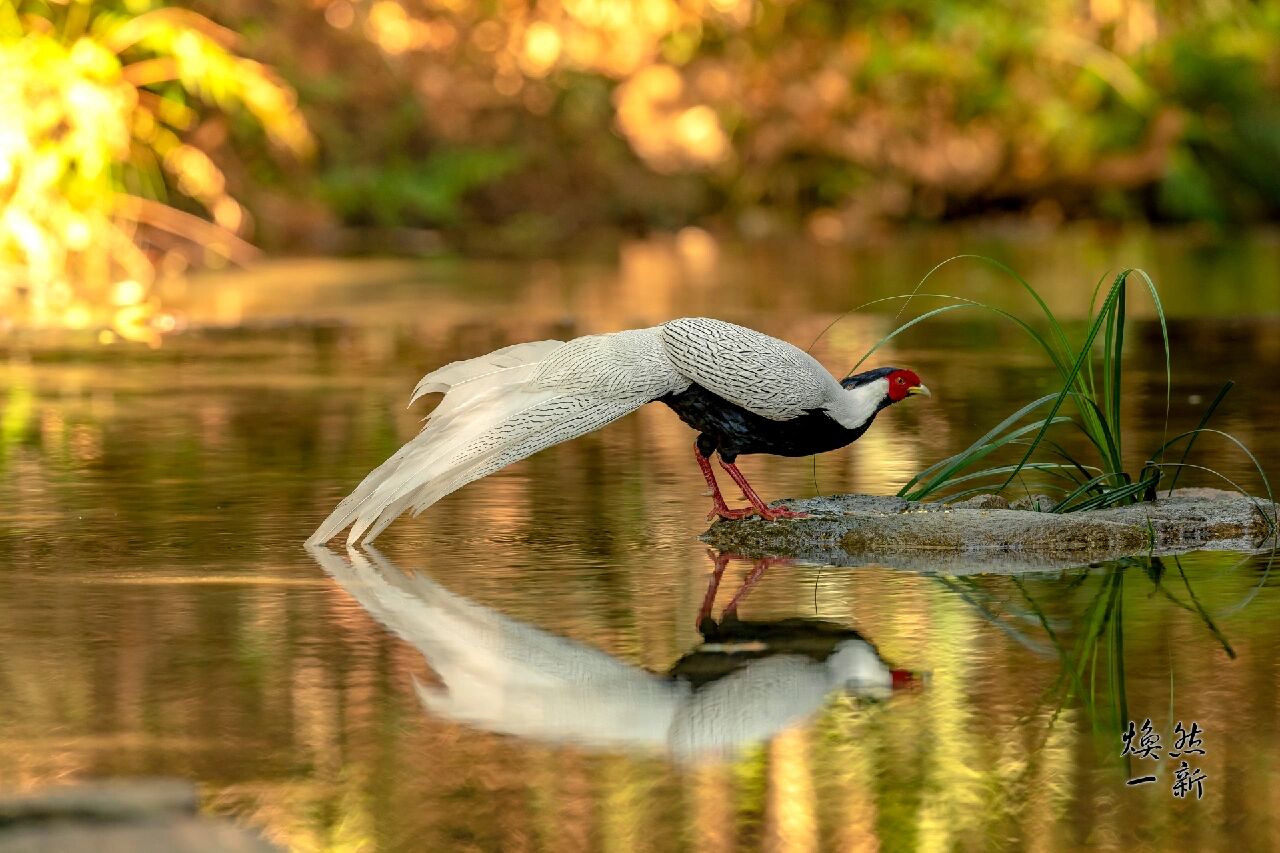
1034, 503
983, 502
851, 530
123, 800
119, 815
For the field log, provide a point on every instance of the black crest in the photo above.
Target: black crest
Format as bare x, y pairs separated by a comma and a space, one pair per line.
859, 379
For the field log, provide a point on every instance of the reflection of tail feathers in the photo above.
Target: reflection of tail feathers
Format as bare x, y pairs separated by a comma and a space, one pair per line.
505, 676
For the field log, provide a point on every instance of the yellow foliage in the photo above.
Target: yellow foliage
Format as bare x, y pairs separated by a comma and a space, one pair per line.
93, 108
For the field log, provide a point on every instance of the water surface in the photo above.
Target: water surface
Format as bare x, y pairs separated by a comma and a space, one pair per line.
162, 617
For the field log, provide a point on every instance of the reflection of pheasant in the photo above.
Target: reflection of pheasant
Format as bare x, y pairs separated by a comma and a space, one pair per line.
744, 391
746, 683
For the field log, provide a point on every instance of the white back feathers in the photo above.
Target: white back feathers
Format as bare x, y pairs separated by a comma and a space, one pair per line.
764, 375
486, 366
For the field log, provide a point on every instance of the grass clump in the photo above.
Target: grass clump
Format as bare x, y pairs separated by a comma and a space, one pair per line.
1088, 401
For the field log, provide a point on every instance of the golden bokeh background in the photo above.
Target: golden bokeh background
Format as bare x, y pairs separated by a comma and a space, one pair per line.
141, 139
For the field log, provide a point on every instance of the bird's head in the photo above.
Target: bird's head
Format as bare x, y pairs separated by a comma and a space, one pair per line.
887, 385
867, 393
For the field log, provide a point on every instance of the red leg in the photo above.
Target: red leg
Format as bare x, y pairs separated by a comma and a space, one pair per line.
719, 507
750, 494
758, 568
709, 600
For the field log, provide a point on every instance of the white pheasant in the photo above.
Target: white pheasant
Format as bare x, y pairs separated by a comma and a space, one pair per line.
745, 392
505, 676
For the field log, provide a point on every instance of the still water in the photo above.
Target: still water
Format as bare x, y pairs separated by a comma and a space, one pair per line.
522, 667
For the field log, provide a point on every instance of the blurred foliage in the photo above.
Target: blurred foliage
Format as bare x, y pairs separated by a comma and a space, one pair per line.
770, 113
431, 189
103, 128
535, 121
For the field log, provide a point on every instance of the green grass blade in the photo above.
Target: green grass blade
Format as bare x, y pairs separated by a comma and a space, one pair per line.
1082, 468
988, 436
954, 497
1044, 307
1101, 435
1075, 370
1108, 350
1093, 302
1084, 489
907, 325
1272, 522
1112, 497
966, 459
961, 302
1195, 433
1039, 300
1050, 468
1262, 474
1116, 347
1164, 337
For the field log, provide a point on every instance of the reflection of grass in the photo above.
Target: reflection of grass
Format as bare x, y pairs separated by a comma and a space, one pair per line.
1093, 665
1091, 642
1092, 380
14, 417
1103, 630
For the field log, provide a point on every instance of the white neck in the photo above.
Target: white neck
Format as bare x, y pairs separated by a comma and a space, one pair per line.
855, 665
852, 408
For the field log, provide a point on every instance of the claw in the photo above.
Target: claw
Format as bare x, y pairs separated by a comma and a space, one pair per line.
775, 513
730, 514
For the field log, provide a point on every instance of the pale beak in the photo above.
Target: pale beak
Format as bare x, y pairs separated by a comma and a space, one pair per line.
919, 391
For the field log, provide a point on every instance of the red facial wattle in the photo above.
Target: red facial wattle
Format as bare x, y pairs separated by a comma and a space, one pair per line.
902, 383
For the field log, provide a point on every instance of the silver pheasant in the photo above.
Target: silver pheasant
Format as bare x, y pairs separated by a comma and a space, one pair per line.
745, 392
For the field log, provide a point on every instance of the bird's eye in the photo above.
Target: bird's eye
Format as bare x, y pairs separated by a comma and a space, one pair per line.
901, 381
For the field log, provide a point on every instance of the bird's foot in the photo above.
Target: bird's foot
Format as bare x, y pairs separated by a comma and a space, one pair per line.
767, 513
773, 513
721, 510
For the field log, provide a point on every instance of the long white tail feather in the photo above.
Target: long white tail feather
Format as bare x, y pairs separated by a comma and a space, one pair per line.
474, 449
469, 370
501, 408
